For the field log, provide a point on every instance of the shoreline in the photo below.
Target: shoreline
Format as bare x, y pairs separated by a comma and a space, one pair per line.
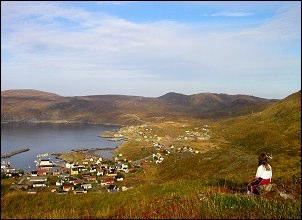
59, 122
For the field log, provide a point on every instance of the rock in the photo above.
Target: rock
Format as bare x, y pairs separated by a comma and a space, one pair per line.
286, 196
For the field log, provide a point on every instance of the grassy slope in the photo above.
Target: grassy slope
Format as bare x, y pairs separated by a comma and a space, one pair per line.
182, 199
208, 185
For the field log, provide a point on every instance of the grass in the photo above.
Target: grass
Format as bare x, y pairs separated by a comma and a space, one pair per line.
181, 199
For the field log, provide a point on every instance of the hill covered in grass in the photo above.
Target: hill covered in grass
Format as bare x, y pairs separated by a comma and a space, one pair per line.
33, 105
210, 184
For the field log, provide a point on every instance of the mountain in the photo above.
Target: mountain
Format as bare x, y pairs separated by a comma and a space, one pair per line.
33, 105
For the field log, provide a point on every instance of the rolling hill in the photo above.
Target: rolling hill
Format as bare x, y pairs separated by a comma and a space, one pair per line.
208, 185
33, 105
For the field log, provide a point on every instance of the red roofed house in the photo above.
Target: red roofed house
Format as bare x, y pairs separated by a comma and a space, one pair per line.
107, 181
67, 187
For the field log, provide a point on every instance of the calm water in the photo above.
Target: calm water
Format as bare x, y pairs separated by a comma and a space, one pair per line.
41, 138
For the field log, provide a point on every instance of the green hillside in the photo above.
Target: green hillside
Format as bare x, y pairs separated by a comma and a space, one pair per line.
185, 185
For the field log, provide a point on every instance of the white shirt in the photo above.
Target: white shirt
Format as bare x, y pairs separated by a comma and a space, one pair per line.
263, 173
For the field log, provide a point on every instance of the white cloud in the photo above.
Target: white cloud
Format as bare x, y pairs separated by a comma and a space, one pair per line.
104, 50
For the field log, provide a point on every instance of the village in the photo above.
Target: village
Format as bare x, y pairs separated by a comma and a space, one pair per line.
92, 173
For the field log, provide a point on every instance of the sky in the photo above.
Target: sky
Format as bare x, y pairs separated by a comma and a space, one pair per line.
152, 48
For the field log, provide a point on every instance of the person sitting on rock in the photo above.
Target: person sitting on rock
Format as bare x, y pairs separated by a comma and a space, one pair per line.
263, 175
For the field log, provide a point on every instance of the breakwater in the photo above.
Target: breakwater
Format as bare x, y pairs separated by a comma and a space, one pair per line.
12, 153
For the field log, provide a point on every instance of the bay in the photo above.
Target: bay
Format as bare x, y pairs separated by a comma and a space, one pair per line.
41, 138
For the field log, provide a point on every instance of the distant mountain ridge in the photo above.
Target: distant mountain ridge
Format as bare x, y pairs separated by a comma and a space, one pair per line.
34, 105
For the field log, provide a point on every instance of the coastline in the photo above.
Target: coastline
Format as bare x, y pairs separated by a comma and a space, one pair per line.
90, 151
59, 122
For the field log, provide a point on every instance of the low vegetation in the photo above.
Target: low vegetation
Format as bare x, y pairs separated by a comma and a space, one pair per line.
209, 184
182, 199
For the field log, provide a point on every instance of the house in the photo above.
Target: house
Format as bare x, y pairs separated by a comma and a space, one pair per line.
38, 181
87, 186
56, 173
107, 181
39, 184
123, 167
77, 181
68, 165
89, 178
100, 173
111, 174
68, 187
92, 169
99, 160
64, 176
74, 171
119, 178
111, 171
59, 183
45, 163
112, 188
104, 166
79, 190
82, 168
41, 172
34, 173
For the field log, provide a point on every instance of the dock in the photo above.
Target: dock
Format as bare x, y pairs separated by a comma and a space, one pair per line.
12, 153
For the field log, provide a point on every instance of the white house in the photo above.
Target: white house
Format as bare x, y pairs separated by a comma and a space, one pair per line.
68, 165
100, 173
59, 183
87, 186
45, 163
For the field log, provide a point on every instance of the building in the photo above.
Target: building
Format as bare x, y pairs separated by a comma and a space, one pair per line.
67, 187
41, 172
87, 186
45, 163
38, 181
74, 171
112, 188
107, 181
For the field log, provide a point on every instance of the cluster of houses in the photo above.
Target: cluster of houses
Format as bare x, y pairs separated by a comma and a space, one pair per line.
202, 134
8, 171
140, 133
81, 177
144, 132
92, 173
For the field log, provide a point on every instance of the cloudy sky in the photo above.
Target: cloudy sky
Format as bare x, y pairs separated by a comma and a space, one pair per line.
151, 48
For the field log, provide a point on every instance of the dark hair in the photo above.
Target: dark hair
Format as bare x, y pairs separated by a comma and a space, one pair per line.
263, 160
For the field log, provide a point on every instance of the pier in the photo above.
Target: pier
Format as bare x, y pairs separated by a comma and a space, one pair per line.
12, 153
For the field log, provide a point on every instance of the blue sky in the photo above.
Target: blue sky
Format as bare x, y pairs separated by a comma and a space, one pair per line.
151, 48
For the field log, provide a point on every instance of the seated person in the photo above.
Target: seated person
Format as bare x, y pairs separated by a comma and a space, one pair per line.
263, 175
